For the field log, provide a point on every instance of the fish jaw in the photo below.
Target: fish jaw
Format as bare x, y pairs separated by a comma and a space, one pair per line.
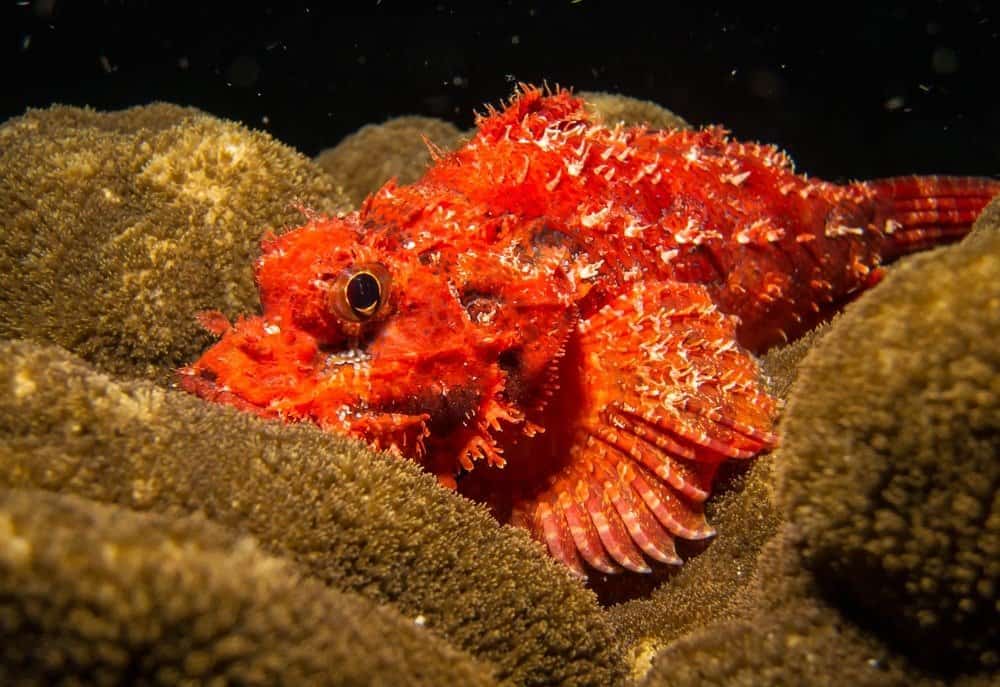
392, 392
281, 373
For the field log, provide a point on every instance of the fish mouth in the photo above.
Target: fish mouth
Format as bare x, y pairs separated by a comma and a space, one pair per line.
204, 383
284, 372
393, 400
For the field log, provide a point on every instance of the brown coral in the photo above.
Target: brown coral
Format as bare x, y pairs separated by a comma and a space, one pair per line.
612, 108
356, 520
119, 227
783, 632
91, 594
892, 456
368, 158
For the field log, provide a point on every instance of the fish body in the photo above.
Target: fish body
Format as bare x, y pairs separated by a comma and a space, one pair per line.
559, 319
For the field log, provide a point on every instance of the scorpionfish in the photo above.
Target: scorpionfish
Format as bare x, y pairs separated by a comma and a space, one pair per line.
560, 318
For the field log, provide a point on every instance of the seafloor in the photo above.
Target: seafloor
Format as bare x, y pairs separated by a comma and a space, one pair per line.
148, 537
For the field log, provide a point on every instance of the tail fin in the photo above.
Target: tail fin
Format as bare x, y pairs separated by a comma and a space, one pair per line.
922, 211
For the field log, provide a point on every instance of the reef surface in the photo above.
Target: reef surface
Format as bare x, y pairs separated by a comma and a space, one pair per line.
148, 536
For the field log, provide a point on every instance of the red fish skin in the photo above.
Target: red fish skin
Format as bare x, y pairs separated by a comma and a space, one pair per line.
560, 317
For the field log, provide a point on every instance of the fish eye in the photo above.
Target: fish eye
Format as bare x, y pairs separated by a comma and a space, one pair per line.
363, 293
360, 292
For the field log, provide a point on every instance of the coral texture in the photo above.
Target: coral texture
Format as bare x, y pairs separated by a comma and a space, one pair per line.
612, 109
783, 630
114, 225
892, 456
354, 520
369, 157
91, 594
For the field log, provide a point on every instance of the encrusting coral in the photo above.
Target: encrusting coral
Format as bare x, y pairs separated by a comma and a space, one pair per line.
892, 456
375, 153
353, 519
117, 228
612, 109
100, 595
782, 632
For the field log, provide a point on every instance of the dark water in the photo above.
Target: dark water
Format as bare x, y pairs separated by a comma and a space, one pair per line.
849, 91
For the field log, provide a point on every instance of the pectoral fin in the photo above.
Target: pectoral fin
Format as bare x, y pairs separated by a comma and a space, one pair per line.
664, 395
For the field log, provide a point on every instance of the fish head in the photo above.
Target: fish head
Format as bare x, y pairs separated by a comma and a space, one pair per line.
414, 340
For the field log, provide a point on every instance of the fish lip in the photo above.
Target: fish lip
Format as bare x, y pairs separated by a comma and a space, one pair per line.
203, 383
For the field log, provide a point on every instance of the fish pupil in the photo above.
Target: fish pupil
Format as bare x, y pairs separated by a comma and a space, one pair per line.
363, 293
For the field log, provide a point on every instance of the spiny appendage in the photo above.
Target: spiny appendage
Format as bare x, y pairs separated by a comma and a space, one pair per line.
558, 104
482, 444
670, 396
475, 440
926, 210
397, 433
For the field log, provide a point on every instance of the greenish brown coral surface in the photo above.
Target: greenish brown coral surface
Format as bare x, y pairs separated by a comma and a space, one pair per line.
107, 596
146, 534
118, 227
895, 497
394, 150
355, 520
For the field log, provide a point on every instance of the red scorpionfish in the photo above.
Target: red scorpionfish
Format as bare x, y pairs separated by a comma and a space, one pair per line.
560, 318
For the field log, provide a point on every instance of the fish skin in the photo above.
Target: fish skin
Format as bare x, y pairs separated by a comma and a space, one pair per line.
559, 319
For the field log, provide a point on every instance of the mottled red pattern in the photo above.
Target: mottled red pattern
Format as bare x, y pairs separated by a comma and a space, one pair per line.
574, 303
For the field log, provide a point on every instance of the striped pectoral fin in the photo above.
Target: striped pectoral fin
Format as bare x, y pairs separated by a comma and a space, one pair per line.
669, 396
595, 512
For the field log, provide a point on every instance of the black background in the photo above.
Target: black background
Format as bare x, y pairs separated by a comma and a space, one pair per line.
850, 91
